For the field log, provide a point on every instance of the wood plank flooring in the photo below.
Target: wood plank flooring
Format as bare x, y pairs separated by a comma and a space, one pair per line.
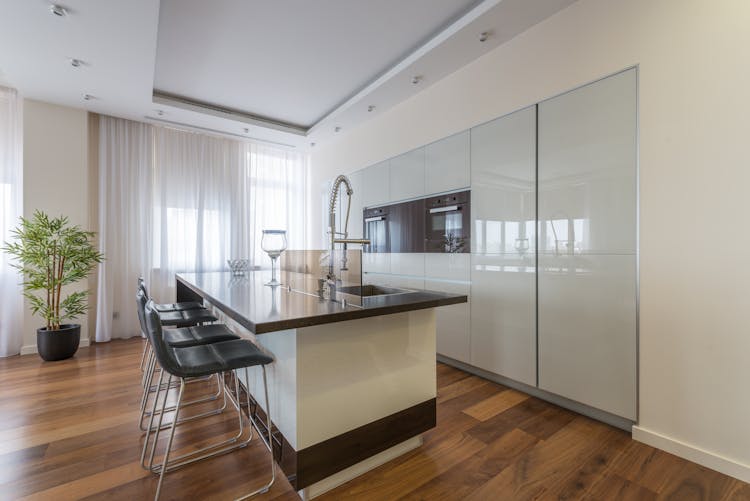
68, 431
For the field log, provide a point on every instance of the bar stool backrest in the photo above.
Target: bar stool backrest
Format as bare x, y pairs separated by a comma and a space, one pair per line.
141, 299
142, 286
154, 332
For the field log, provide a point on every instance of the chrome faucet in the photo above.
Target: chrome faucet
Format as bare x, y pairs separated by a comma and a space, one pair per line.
341, 179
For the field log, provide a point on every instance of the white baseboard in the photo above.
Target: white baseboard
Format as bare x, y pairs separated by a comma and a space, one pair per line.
692, 453
30, 349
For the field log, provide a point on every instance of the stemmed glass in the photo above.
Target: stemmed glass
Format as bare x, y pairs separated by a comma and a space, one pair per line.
273, 243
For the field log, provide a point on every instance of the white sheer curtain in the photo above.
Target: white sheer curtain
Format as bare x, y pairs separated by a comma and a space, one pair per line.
11, 208
125, 200
208, 200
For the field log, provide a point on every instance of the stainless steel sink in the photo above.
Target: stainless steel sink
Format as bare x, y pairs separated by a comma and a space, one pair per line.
371, 290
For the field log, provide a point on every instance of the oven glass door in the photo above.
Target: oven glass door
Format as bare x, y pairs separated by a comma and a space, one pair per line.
376, 229
447, 229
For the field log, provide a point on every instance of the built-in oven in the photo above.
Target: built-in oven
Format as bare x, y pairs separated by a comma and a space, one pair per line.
376, 221
448, 223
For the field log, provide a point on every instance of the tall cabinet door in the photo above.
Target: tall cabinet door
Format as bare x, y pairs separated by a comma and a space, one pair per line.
587, 245
503, 260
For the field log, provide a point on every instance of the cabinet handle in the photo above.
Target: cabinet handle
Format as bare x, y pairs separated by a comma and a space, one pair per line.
444, 209
373, 219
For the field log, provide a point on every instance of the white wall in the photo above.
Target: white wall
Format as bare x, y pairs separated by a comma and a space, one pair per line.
55, 179
694, 177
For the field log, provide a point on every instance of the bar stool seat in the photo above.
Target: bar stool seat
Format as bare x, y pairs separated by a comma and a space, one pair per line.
198, 335
185, 318
186, 305
204, 360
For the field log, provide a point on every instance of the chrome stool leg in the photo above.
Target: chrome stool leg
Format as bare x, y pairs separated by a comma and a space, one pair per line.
169, 442
268, 444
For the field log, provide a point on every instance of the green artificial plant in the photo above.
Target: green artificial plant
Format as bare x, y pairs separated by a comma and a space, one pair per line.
51, 254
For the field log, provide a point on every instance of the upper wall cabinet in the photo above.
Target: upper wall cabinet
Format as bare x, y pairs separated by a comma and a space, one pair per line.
447, 164
407, 175
376, 184
587, 169
503, 183
355, 215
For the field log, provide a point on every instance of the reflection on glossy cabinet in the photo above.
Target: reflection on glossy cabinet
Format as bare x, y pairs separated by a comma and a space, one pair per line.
407, 263
587, 330
587, 169
448, 266
503, 325
503, 173
453, 322
376, 184
407, 175
447, 164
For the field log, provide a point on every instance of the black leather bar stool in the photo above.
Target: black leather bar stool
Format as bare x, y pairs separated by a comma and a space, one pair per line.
181, 315
166, 308
199, 361
179, 337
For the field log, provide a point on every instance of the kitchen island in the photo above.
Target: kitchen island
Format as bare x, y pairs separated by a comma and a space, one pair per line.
351, 386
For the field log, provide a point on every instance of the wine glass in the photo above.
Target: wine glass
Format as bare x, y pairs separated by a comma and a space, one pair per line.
273, 243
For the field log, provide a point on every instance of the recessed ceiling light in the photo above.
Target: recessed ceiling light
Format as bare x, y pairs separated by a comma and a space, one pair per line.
75, 63
483, 36
88, 97
58, 10
312, 145
337, 129
370, 108
416, 79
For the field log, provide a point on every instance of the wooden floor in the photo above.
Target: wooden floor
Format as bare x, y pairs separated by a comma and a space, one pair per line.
68, 431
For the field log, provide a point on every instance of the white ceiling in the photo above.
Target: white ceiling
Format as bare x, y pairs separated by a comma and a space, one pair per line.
298, 68
285, 71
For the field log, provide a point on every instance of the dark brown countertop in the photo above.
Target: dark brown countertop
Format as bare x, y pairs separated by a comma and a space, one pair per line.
261, 309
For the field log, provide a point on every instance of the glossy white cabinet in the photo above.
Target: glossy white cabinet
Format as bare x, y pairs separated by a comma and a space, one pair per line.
447, 164
587, 169
407, 175
407, 263
587, 340
355, 217
587, 241
453, 322
503, 273
456, 267
376, 262
376, 184
503, 325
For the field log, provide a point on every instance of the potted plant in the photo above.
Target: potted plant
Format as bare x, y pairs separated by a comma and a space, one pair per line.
52, 254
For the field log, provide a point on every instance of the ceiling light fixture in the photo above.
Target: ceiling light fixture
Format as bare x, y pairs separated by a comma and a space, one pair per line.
58, 10
160, 113
88, 97
416, 79
337, 129
312, 145
370, 108
247, 131
76, 63
483, 36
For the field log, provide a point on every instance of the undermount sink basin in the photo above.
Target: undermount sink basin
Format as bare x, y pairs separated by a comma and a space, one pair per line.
371, 290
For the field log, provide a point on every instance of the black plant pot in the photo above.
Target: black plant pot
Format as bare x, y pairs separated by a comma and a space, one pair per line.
59, 344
